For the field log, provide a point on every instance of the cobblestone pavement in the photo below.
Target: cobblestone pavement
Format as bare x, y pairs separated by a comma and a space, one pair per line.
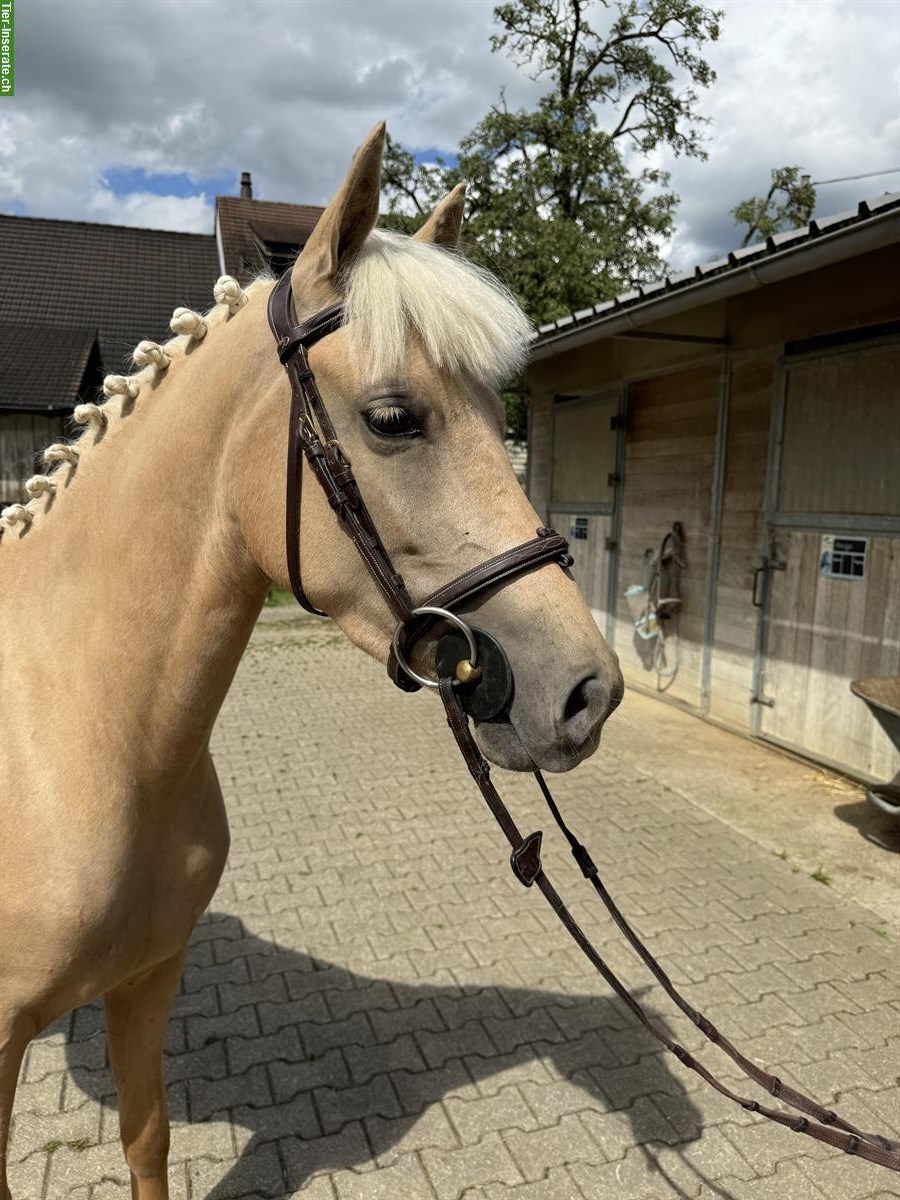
375, 1010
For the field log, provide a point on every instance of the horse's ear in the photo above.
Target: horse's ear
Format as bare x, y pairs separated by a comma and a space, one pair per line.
443, 226
342, 228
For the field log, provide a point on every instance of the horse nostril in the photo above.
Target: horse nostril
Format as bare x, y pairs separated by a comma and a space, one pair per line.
586, 708
577, 702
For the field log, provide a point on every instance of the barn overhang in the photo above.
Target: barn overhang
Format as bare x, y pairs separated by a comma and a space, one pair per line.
825, 242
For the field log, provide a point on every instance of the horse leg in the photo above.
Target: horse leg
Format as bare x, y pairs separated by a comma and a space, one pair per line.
13, 1042
137, 1014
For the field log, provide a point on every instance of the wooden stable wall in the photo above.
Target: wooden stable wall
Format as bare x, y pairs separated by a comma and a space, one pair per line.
704, 395
23, 436
669, 454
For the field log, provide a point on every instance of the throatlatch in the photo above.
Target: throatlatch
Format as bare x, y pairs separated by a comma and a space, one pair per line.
480, 683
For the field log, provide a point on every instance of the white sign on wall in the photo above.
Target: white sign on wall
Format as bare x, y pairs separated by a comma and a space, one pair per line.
843, 557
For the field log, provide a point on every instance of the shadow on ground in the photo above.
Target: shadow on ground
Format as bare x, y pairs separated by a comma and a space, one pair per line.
875, 826
592, 1041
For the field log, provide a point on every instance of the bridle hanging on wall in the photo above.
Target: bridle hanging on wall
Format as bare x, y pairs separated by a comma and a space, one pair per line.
474, 678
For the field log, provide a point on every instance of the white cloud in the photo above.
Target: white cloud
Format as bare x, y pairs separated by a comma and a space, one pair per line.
189, 214
288, 89
813, 83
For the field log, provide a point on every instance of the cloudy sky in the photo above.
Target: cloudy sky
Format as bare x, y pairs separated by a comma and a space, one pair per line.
140, 111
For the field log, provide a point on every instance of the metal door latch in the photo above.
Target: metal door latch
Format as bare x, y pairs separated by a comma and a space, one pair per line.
768, 564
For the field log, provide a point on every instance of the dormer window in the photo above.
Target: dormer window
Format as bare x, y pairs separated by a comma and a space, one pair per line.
280, 256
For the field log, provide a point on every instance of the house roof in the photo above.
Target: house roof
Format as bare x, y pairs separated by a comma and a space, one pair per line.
43, 362
245, 225
66, 280
740, 270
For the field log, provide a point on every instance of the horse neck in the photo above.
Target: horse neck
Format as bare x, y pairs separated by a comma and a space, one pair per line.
132, 599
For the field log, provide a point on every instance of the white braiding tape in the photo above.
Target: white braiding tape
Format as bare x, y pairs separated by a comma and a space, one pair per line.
147, 354
60, 452
228, 291
189, 323
89, 414
40, 485
120, 385
16, 513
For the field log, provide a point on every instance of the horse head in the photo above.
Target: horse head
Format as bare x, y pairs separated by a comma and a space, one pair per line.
410, 381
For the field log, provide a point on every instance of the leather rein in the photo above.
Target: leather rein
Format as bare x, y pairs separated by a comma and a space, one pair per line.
312, 436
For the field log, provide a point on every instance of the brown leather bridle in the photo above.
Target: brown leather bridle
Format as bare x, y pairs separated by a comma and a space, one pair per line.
312, 435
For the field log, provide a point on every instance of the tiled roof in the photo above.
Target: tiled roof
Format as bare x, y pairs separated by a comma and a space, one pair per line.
117, 282
645, 295
46, 367
244, 225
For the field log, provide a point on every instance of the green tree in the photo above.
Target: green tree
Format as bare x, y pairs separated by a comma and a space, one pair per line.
789, 202
564, 203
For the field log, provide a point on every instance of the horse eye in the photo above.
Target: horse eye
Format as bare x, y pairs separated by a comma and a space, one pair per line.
392, 421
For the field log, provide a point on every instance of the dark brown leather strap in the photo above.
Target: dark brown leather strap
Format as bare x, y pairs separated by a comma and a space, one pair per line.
547, 547
291, 337
825, 1125
293, 502
313, 435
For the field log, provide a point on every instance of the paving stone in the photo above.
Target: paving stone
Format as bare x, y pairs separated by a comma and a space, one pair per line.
33, 1132
297, 1117
404, 1178
470, 1038
451, 1171
323, 1070
208, 1096
560, 1145
203, 1031
355, 1030
343, 1150
558, 1184
417, 1018
843, 1178
418, 1089
284, 1045
26, 1179
400, 1055
338, 1106
788, 1182
257, 1173
212, 1138
72, 1166
391, 1139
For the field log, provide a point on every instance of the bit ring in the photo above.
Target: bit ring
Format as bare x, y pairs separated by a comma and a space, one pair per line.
431, 611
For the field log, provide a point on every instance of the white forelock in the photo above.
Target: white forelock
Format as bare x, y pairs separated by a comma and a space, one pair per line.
467, 320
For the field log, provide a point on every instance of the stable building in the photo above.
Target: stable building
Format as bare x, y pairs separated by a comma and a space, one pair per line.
753, 404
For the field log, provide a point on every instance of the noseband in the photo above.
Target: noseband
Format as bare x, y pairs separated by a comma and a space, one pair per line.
471, 681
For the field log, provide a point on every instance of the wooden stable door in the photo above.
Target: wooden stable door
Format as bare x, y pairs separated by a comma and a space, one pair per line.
583, 489
823, 631
832, 594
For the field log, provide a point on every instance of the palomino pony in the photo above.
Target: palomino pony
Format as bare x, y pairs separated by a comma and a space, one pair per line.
132, 580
